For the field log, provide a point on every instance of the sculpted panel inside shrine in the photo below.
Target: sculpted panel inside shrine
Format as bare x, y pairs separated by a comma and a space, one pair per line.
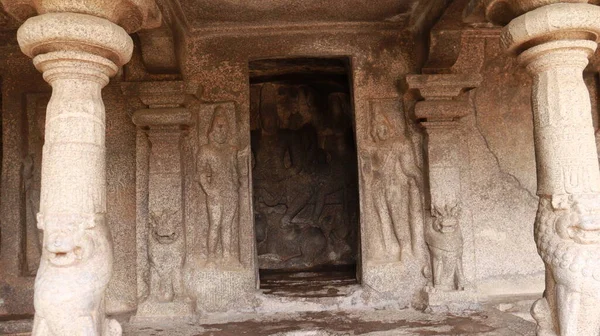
304, 167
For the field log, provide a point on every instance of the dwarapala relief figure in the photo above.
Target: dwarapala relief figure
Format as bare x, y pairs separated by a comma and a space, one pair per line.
445, 241
220, 167
389, 171
304, 178
166, 255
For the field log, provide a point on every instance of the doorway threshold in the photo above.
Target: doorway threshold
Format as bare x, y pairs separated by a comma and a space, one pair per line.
323, 282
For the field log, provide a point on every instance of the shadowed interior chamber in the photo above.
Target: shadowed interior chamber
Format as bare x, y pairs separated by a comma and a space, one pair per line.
304, 169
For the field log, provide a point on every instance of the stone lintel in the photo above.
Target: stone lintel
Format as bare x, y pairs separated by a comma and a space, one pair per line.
162, 117
441, 110
443, 86
131, 15
171, 94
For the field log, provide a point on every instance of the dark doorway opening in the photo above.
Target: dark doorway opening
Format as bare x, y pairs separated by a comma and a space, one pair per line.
305, 180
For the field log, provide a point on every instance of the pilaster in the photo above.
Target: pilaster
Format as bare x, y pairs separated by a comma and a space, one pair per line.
440, 112
161, 225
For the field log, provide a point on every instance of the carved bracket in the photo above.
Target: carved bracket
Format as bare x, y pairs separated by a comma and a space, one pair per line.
444, 105
167, 94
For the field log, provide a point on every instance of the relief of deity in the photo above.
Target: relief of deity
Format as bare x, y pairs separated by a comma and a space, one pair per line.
220, 174
389, 170
304, 178
280, 170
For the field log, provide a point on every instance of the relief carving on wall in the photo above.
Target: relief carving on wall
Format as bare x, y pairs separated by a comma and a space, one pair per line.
74, 272
392, 179
445, 242
567, 237
221, 169
304, 177
162, 291
219, 269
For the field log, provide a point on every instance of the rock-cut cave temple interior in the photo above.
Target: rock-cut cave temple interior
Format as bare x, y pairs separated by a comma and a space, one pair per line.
299, 167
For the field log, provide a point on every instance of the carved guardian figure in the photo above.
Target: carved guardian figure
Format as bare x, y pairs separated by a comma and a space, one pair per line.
445, 242
167, 255
567, 234
74, 272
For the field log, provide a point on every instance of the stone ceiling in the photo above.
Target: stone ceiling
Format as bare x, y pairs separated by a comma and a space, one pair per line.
199, 14
6, 21
207, 12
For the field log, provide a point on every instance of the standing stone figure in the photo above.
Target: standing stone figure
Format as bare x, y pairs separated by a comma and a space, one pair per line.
445, 242
567, 232
73, 275
219, 177
389, 170
280, 173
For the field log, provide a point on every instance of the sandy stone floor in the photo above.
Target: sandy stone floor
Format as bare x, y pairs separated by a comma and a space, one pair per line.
380, 323
498, 319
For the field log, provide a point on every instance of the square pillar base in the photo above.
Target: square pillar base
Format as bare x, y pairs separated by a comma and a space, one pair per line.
221, 290
153, 310
458, 301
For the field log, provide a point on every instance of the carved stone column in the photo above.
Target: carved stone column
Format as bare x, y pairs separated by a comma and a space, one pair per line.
440, 115
554, 42
161, 228
78, 46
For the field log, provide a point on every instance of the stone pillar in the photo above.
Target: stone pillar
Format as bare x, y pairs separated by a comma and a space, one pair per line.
77, 46
554, 41
440, 115
161, 227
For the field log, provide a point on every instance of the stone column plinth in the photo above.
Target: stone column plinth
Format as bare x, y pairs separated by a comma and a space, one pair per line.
554, 42
440, 115
77, 47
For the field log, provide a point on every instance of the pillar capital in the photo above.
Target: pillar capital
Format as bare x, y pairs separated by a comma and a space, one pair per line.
159, 118
162, 94
77, 33
131, 15
553, 22
442, 94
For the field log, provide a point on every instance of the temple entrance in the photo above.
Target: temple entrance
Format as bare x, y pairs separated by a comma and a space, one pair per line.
305, 185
